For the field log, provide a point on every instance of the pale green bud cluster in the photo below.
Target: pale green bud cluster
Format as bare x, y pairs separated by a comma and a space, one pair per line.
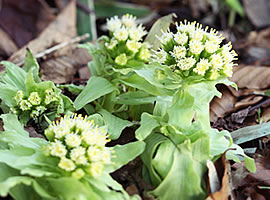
125, 42
33, 103
192, 51
79, 145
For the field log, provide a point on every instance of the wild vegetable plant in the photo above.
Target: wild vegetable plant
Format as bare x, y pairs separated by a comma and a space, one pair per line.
23, 93
179, 138
114, 58
74, 164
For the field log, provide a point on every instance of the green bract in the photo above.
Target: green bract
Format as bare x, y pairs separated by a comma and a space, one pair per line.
24, 94
28, 171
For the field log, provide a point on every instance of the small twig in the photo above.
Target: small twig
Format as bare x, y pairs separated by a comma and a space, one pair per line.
259, 105
83, 7
59, 46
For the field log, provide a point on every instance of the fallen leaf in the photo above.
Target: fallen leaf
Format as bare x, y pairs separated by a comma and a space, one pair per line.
224, 193
7, 46
247, 185
265, 115
14, 15
255, 77
247, 101
58, 66
132, 189
239, 116
59, 31
260, 38
58, 70
220, 107
214, 183
258, 12
250, 133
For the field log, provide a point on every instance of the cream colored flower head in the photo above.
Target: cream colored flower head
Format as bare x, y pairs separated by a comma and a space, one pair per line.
79, 145
125, 40
194, 51
128, 20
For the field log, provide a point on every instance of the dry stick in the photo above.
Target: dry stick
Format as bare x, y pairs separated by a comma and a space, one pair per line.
259, 105
59, 46
83, 7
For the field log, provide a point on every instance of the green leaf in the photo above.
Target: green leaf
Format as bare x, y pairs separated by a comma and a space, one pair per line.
115, 124
7, 94
9, 183
250, 164
70, 189
11, 123
148, 124
184, 167
112, 8
135, 98
162, 105
140, 83
124, 154
73, 89
30, 62
218, 143
97, 118
14, 76
250, 133
161, 24
24, 192
95, 88
236, 6
153, 141
181, 110
235, 152
97, 65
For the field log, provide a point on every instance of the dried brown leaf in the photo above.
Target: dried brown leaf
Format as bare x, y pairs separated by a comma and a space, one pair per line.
24, 20
247, 101
260, 38
252, 77
265, 115
220, 107
58, 70
247, 184
222, 167
258, 12
59, 31
7, 46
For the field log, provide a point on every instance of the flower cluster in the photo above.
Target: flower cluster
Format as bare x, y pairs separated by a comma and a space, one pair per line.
195, 51
36, 103
125, 41
79, 145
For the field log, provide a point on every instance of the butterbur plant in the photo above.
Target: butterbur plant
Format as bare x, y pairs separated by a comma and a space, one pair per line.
24, 94
179, 138
74, 164
125, 40
193, 51
114, 59
80, 146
